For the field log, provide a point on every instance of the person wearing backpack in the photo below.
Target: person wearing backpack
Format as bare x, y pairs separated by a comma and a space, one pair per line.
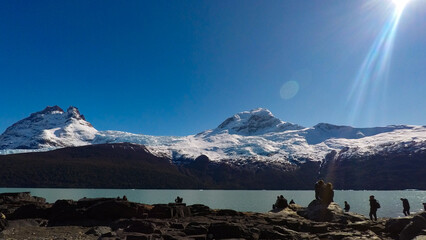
374, 205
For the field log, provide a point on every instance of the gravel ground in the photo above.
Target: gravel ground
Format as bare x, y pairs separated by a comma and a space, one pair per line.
28, 230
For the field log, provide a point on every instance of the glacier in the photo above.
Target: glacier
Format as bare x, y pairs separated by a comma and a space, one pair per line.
255, 135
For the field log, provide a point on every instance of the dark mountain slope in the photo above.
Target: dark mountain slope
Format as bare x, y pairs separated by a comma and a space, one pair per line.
403, 170
95, 166
127, 165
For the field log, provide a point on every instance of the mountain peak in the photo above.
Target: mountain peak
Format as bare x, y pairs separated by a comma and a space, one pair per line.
255, 122
51, 127
74, 113
50, 110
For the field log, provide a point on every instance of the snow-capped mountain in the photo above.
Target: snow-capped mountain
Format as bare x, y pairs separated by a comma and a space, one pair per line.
255, 122
50, 128
258, 135
254, 135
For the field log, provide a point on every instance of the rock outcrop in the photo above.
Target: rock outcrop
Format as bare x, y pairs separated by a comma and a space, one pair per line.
119, 219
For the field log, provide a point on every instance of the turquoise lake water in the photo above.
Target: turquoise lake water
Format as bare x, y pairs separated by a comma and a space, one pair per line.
241, 200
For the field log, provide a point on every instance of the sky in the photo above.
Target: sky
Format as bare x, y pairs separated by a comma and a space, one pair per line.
182, 67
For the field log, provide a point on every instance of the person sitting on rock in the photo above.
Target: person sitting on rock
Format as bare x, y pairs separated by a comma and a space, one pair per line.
319, 186
280, 203
292, 201
178, 199
424, 206
274, 206
347, 207
124, 198
374, 205
405, 206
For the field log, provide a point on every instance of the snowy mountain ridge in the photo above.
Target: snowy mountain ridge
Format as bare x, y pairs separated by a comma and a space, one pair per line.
255, 135
50, 128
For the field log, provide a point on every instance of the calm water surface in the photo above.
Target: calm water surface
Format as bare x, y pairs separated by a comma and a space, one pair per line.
241, 200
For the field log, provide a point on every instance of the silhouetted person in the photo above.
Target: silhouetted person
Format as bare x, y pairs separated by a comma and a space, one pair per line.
347, 207
319, 186
274, 206
424, 206
406, 206
374, 205
124, 198
280, 203
178, 199
292, 202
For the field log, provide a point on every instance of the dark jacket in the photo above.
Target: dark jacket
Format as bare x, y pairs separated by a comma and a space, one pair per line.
405, 203
373, 205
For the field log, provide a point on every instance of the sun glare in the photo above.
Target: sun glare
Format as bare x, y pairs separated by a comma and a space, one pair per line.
400, 5
368, 89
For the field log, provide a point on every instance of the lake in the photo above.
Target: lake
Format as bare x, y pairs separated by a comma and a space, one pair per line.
241, 200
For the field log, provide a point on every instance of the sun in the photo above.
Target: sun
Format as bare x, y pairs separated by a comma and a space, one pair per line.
400, 5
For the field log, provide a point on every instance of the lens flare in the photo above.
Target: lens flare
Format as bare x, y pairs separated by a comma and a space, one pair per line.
400, 5
368, 90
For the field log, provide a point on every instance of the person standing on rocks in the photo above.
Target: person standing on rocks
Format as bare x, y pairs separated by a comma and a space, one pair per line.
374, 205
406, 206
347, 207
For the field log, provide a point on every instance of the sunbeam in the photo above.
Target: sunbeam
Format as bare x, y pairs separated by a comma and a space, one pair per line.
400, 6
369, 86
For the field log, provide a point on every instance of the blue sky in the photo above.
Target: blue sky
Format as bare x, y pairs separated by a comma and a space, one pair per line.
181, 67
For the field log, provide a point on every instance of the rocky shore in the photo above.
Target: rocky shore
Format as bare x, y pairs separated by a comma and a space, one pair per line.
29, 217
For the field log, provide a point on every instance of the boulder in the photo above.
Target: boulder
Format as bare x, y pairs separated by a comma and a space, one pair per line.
226, 230
9, 202
413, 229
114, 209
226, 212
394, 226
199, 210
3, 224
141, 226
99, 231
195, 229
31, 210
316, 211
65, 212
20, 197
170, 210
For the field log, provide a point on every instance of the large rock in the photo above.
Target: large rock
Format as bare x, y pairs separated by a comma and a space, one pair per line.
394, 226
413, 228
223, 230
3, 224
66, 212
31, 210
20, 197
199, 210
316, 211
171, 210
195, 228
115, 209
10, 202
141, 227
